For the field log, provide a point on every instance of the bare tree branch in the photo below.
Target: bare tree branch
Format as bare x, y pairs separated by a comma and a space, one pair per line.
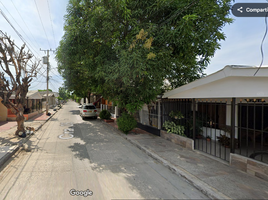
12, 82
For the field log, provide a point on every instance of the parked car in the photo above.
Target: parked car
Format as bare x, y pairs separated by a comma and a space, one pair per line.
88, 110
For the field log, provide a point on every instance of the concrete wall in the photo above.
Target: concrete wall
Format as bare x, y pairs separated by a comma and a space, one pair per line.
249, 166
3, 113
177, 139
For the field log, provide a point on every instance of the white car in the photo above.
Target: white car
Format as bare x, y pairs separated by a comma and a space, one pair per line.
88, 110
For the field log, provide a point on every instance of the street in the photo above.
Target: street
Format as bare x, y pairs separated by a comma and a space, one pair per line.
71, 158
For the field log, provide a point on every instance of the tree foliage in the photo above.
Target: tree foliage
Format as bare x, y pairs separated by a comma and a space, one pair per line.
63, 93
126, 49
16, 73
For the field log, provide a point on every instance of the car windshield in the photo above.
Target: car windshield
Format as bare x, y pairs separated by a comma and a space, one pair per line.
89, 107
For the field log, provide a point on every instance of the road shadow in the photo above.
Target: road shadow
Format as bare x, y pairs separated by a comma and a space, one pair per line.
113, 156
3, 123
75, 112
8, 141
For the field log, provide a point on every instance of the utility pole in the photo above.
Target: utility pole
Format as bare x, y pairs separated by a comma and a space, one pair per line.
46, 61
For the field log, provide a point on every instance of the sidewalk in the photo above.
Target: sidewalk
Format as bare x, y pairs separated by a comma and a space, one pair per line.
216, 179
9, 143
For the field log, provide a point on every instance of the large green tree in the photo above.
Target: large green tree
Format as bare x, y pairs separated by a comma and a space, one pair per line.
125, 49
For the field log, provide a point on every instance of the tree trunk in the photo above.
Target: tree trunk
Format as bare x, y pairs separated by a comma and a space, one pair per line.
20, 120
88, 96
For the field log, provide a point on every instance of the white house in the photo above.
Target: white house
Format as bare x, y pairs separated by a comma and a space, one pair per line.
232, 102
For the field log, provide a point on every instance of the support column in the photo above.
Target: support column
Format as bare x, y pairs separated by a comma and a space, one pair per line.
159, 115
233, 125
115, 111
194, 118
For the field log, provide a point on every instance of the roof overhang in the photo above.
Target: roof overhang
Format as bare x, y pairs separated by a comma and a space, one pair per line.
230, 82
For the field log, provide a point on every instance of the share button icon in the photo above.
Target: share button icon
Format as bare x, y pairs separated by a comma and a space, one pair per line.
240, 9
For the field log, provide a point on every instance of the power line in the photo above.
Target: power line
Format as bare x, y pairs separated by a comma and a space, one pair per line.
42, 74
265, 34
54, 80
15, 21
41, 22
53, 86
25, 25
15, 31
27, 65
51, 23
37, 85
56, 74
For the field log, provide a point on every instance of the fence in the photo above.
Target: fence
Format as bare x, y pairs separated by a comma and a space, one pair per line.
147, 118
220, 127
111, 109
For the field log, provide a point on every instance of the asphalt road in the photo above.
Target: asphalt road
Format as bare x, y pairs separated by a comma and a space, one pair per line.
70, 157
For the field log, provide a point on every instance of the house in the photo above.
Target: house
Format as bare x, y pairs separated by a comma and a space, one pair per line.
3, 112
52, 98
229, 106
32, 107
108, 105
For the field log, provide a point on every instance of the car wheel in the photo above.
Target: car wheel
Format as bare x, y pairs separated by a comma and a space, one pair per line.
96, 117
83, 118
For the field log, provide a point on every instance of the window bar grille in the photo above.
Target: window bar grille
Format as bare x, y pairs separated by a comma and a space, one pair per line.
262, 115
240, 127
206, 107
247, 133
210, 123
194, 119
233, 106
216, 125
254, 127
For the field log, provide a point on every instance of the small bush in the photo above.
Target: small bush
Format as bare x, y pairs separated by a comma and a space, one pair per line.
171, 127
126, 123
105, 114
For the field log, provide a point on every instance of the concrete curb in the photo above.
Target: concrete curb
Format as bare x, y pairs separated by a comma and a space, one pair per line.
190, 178
8, 155
21, 142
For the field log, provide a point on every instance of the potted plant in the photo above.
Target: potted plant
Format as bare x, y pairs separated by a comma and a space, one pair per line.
208, 138
174, 126
224, 140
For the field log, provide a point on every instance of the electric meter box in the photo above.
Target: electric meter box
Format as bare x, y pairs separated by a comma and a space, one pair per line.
45, 60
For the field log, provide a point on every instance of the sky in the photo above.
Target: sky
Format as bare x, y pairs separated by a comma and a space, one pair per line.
242, 45
41, 22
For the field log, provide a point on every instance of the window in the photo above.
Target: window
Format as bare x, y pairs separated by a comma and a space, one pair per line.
89, 107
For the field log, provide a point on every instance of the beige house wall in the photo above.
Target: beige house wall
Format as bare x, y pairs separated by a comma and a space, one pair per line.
3, 112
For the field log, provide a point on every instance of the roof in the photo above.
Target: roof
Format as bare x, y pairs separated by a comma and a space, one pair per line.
32, 94
50, 94
230, 82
